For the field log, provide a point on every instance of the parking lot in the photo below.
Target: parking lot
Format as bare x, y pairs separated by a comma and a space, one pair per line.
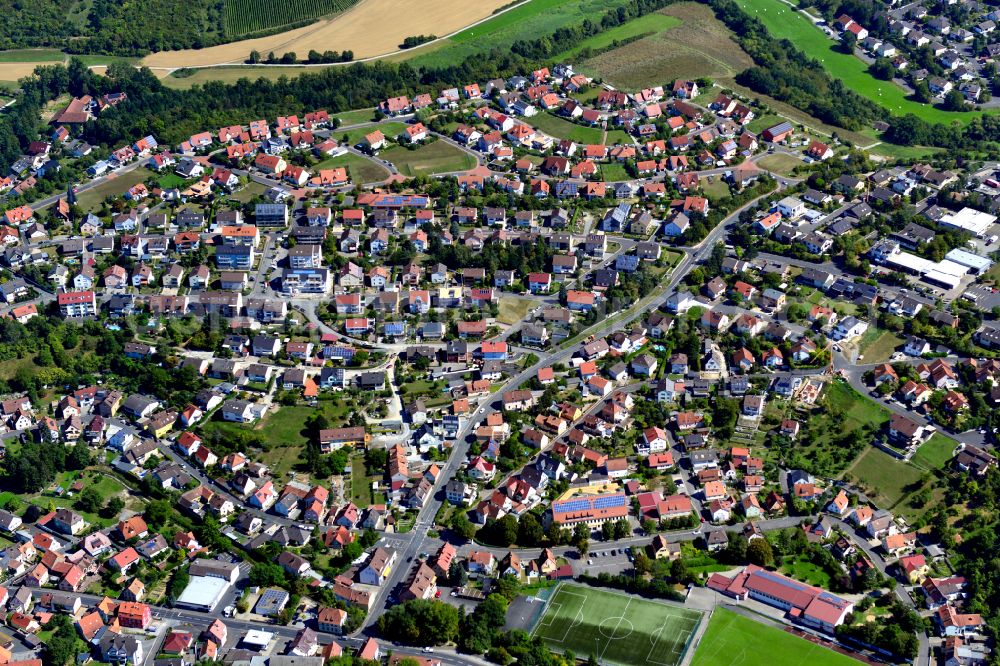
606, 560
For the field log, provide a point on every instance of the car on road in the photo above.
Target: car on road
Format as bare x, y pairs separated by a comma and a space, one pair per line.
429, 650
590, 561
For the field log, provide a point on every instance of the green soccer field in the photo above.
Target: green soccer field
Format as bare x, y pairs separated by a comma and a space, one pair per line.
616, 628
734, 640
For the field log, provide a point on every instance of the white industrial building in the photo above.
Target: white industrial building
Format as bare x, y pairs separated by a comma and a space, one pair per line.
975, 222
257, 640
203, 593
975, 263
944, 273
210, 580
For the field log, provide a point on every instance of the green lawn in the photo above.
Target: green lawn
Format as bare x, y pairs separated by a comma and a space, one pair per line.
32, 55
784, 23
672, 257
693, 44
700, 561
430, 158
618, 137
886, 480
286, 427
10, 367
827, 428
249, 191
100, 479
356, 116
361, 484
644, 25
800, 568
734, 640
420, 387
716, 189
935, 452
284, 431
390, 129
168, 180
857, 408
614, 172
528, 21
563, 129
880, 347
761, 123
231, 75
897, 152
115, 185
616, 628
361, 169
779, 163
282, 459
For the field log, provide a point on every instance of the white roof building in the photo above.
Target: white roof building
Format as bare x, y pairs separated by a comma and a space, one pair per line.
969, 219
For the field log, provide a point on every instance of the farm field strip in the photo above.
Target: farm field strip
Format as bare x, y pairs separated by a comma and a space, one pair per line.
526, 21
246, 17
362, 29
695, 45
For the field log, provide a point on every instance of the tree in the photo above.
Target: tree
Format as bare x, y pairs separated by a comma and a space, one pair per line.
113, 507
622, 528
158, 512
848, 41
89, 500
955, 101
882, 69
456, 574
678, 569
529, 532
608, 531
759, 552
178, 583
420, 622
78, 457
505, 530
60, 648
642, 563
462, 526
267, 574
509, 587
922, 92
736, 549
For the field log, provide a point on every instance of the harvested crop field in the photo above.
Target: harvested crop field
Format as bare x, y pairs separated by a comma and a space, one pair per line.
370, 28
700, 46
12, 71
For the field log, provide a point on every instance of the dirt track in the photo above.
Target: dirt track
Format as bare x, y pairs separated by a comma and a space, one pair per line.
370, 28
